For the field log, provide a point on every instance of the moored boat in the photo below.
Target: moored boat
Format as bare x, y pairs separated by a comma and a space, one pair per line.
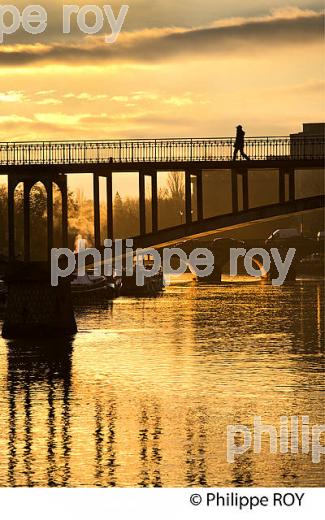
152, 286
91, 288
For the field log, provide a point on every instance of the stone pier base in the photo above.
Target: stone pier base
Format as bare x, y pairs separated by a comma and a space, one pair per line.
34, 307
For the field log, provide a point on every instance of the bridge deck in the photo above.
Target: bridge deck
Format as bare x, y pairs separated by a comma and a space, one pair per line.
159, 151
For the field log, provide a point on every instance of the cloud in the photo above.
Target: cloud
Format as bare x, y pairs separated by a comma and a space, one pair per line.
140, 95
120, 99
178, 101
49, 101
280, 13
85, 96
237, 37
12, 96
14, 118
86, 126
45, 92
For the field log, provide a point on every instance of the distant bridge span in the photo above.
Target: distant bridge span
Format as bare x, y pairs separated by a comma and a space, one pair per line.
210, 226
52, 162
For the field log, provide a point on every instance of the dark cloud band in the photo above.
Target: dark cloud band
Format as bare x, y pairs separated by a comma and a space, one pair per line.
248, 38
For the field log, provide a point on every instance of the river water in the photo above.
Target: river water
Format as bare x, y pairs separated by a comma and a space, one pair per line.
144, 393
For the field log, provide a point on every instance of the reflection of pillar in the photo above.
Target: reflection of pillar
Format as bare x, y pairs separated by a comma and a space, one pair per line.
64, 191
28, 433
32, 364
196, 438
96, 210
242, 471
49, 190
109, 196
11, 218
27, 187
150, 460
51, 444
111, 455
143, 441
99, 437
156, 451
12, 460
243, 467
154, 201
66, 438
142, 203
188, 197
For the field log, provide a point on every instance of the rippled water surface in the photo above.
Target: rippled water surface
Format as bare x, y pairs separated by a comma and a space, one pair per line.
144, 393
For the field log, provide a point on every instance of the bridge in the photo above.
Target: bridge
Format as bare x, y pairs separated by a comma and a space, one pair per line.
34, 306
51, 162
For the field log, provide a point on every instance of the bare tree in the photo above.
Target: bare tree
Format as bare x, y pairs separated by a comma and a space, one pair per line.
175, 187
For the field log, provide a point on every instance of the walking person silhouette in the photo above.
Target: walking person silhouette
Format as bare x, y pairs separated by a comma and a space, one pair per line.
240, 143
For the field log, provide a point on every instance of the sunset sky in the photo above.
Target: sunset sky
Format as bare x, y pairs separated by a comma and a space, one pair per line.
185, 68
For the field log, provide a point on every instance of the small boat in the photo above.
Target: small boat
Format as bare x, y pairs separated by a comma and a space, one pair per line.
91, 288
152, 286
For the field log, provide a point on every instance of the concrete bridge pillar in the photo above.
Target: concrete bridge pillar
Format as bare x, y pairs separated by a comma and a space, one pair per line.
34, 307
154, 201
188, 197
64, 193
292, 184
28, 182
239, 200
282, 185
109, 197
50, 217
287, 184
11, 217
193, 195
244, 173
152, 174
27, 188
96, 210
142, 202
234, 189
199, 195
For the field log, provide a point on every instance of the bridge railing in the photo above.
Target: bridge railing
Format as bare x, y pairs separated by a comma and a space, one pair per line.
158, 150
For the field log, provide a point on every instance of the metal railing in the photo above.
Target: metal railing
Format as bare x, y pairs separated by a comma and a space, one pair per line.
158, 150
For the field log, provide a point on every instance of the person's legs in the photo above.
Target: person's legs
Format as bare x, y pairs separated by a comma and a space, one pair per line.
236, 150
244, 155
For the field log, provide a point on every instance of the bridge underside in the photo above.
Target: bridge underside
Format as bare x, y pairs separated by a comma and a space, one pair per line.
151, 166
241, 209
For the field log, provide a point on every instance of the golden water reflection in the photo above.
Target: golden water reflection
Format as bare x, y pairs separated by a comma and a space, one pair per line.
144, 393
